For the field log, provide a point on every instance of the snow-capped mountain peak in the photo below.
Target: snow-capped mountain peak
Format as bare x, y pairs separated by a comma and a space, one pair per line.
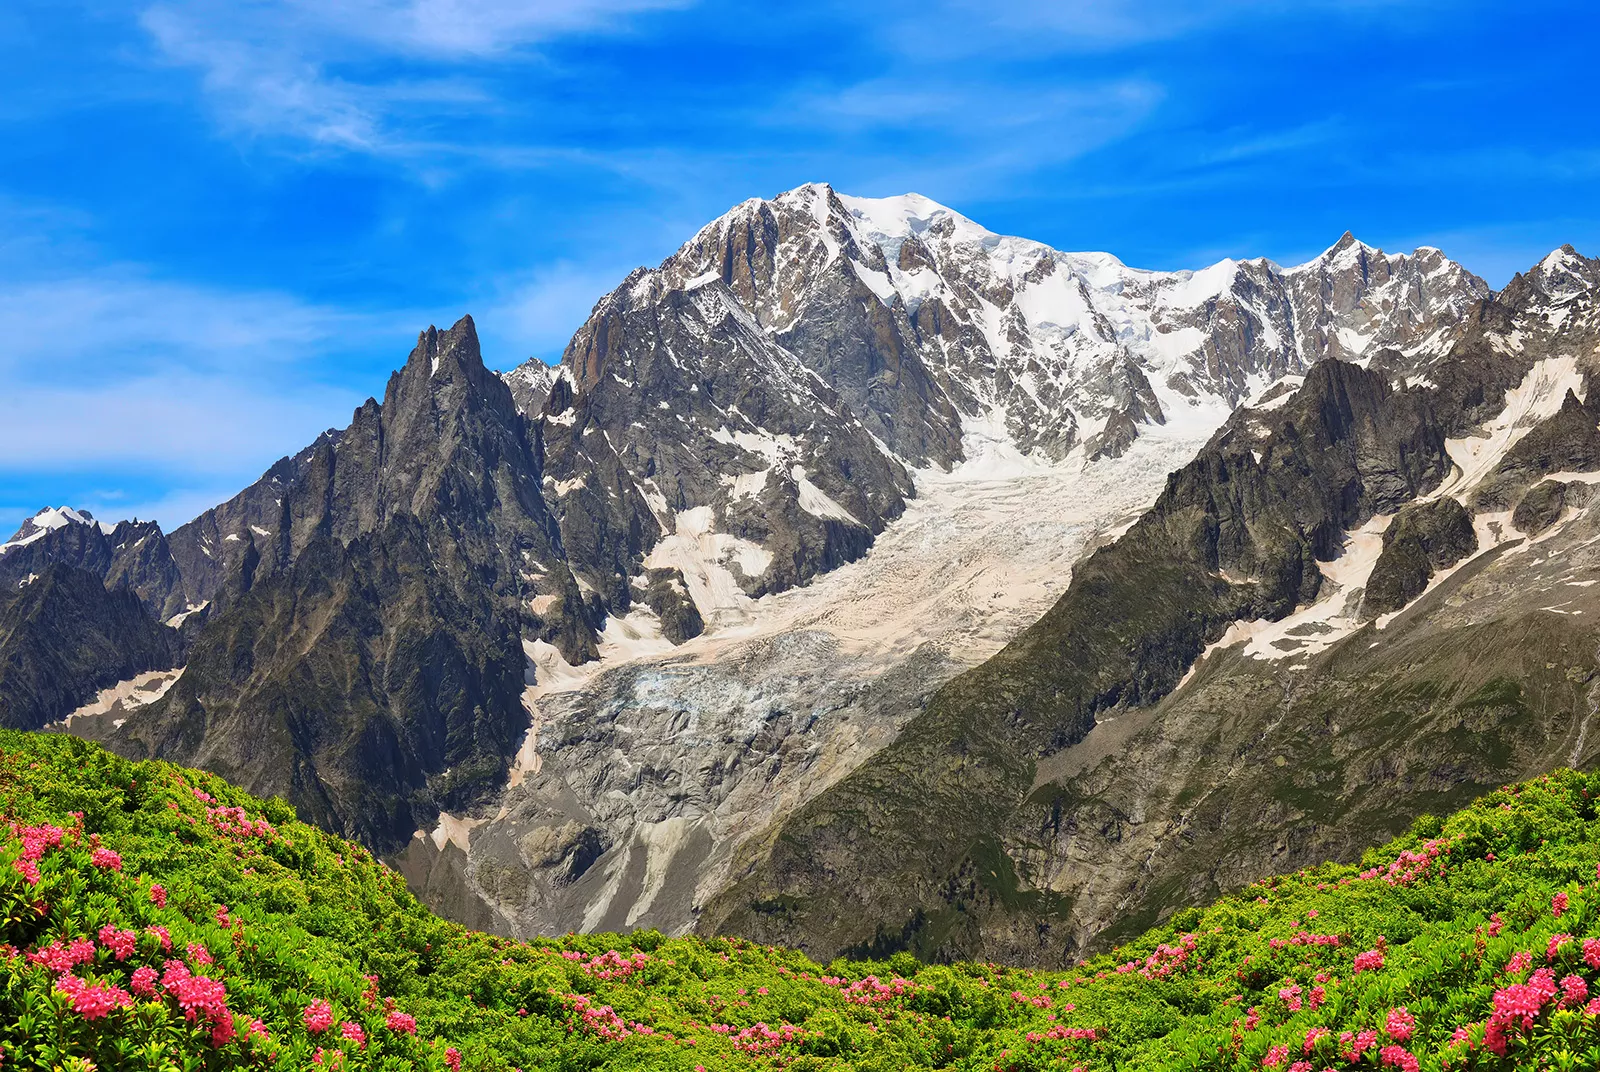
48, 520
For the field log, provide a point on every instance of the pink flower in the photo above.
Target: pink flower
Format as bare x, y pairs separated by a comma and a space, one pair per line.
144, 982
354, 1033
1316, 996
1558, 904
93, 1002
222, 917
1519, 963
452, 1059
162, 936
199, 953
1591, 952
158, 895
1395, 1057
257, 1029
27, 869
1290, 996
1371, 960
1400, 1024
1495, 923
106, 860
401, 1023
1275, 1056
1574, 991
121, 943
1314, 1036
318, 1016
1556, 942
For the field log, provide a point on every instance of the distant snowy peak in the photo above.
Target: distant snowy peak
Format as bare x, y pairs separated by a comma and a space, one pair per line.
1564, 274
1071, 351
47, 521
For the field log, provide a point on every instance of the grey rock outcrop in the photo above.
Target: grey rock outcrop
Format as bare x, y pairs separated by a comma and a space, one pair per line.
1422, 539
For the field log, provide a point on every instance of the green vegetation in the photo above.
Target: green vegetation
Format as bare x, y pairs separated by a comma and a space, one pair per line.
157, 918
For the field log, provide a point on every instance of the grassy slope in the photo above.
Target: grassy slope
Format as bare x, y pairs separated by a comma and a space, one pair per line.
310, 915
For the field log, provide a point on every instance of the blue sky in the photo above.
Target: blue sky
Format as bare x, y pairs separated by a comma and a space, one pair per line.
222, 223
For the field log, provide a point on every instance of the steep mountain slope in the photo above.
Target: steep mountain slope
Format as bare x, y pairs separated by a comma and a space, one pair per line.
1070, 782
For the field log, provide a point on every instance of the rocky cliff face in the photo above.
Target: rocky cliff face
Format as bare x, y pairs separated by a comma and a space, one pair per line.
64, 637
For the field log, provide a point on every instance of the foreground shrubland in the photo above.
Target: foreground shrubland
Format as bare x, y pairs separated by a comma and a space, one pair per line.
157, 918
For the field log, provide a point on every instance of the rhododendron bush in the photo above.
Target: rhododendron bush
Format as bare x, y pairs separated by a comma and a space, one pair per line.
153, 917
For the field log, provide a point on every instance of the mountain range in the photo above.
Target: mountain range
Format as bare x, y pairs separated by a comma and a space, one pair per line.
862, 580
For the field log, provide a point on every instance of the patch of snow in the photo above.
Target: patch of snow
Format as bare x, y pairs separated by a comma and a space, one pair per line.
1537, 398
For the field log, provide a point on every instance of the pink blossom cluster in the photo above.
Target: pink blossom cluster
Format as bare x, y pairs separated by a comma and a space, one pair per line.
1558, 905
599, 1020
144, 981
199, 996
1039, 1001
1399, 1024
317, 1016
1556, 942
401, 1023
1371, 960
106, 860
62, 957
452, 1059
93, 1001
612, 965
236, 824
1290, 996
873, 991
1591, 952
351, 1032
1307, 938
1352, 1044
763, 1039
1170, 958
121, 943
1398, 1057
36, 841
1410, 867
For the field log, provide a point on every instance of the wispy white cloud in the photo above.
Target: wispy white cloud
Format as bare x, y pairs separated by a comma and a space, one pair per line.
118, 321
315, 71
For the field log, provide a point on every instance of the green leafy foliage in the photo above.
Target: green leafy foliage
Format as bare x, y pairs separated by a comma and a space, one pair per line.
157, 918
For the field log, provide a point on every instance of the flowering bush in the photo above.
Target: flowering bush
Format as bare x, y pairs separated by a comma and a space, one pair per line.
152, 917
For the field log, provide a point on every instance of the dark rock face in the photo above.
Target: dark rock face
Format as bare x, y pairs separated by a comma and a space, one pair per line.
1541, 507
364, 683
777, 457
364, 658
1421, 540
64, 637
